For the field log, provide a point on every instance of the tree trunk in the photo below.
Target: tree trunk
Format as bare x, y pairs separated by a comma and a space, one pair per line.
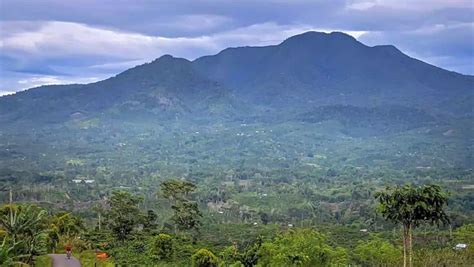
100, 225
410, 245
405, 245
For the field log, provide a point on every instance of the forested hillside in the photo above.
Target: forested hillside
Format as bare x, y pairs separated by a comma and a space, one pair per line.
254, 156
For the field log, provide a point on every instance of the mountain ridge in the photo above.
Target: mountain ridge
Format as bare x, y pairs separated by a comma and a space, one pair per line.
302, 72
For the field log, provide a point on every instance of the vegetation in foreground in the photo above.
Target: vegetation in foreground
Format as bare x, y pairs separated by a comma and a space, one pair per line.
131, 235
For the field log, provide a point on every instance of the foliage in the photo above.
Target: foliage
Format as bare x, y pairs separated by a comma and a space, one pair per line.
252, 163
26, 234
88, 258
410, 206
186, 212
124, 214
162, 247
204, 258
176, 190
43, 261
9, 253
20, 221
186, 215
248, 257
465, 234
377, 252
303, 247
444, 257
150, 221
64, 228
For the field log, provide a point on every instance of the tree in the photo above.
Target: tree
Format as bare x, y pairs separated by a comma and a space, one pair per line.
186, 215
163, 247
20, 220
264, 217
411, 206
67, 225
186, 212
25, 227
303, 247
204, 258
376, 252
149, 221
250, 255
124, 214
176, 190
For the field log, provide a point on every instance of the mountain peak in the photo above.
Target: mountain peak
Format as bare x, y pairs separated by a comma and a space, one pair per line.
166, 59
314, 36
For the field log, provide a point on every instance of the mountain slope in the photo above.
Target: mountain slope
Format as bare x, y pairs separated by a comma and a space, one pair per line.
265, 107
318, 69
165, 87
303, 72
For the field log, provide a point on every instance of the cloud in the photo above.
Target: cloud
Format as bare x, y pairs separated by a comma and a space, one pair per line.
83, 39
46, 80
450, 46
22, 81
196, 22
420, 5
55, 39
2, 93
53, 46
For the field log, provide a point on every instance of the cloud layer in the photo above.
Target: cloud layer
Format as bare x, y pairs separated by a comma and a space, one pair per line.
44, 42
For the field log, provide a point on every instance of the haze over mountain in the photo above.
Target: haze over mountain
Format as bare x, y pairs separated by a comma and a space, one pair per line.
237, 133
313, 89
305, 71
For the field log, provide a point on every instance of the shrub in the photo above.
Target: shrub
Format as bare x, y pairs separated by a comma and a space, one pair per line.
304, 247
377, 252
163, 247
205, 258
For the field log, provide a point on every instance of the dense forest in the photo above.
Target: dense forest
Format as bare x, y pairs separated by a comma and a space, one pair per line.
172, 228
319, 151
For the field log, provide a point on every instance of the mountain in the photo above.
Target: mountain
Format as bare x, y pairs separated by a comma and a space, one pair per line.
305, 71
269, 106
319, 69
166, 87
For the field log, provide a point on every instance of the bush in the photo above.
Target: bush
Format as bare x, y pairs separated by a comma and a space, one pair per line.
205, 258
377, 252
304, 247
163, 247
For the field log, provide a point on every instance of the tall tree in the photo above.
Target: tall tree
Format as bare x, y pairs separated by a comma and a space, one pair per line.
186, 212
410, 206
124, 214
177, 190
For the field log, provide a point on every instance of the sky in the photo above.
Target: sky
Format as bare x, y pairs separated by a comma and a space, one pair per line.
82, 41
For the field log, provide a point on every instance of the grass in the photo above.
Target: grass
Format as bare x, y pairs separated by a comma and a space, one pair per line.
43, 261
87, 259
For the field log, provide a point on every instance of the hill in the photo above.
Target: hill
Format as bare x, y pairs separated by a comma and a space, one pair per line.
262, 107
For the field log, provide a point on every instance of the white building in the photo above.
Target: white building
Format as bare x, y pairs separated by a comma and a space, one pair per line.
460, 246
